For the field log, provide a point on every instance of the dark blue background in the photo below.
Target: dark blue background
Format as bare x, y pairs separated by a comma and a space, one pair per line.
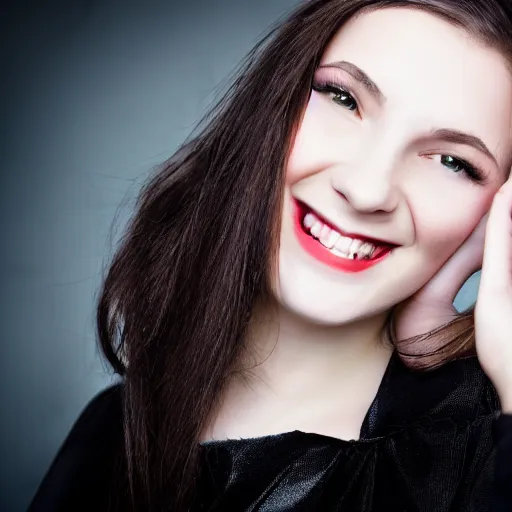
94, 93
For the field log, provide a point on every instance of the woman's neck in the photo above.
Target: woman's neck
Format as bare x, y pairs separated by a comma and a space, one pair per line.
283, 346
302, 376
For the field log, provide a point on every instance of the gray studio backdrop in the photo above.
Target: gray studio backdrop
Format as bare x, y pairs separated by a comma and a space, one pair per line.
94, 94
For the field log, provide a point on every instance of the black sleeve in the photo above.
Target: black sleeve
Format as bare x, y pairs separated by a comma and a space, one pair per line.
503, 466
80, 477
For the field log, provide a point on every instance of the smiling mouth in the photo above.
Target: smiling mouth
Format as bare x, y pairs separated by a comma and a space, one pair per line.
326, 243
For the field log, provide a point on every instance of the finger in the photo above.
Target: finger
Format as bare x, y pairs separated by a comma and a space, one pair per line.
497, 260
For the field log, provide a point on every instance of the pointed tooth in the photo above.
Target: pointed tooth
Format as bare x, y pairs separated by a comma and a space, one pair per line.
309, 220
354, 248
316, 228
366, 250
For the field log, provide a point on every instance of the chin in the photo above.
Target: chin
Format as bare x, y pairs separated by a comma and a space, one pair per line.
321, 303
321, 295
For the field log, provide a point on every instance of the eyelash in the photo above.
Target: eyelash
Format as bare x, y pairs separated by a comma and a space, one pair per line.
337, 89
471, 171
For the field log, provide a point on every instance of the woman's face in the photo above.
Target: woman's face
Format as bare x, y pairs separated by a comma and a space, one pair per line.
405, 140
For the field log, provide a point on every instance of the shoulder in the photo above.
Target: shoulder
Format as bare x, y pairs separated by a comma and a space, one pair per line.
104, 410
472, 386
460, 390
99, 424
81, 474
456, 393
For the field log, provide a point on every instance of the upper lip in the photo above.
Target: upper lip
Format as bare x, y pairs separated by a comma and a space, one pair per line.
360, 236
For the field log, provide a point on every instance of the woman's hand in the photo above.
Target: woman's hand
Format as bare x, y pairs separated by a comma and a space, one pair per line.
432, 305
493, 312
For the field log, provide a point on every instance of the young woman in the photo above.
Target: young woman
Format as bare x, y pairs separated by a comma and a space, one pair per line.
281, 306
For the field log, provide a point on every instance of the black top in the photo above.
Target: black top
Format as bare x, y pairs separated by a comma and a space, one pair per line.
430, 442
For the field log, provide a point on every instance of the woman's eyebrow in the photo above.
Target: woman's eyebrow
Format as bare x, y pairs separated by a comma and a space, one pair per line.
359, 75
448, 135
458, 137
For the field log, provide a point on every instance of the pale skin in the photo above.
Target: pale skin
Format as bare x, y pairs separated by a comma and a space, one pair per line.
375, 166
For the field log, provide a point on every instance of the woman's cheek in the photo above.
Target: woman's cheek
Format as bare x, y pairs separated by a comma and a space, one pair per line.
446, 216
303, 155
322, 140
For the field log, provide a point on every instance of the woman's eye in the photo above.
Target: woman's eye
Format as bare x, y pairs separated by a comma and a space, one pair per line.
338, 95
461, 166
455, 164
344, 99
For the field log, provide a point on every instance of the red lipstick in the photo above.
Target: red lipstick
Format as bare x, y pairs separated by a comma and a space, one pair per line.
314, 248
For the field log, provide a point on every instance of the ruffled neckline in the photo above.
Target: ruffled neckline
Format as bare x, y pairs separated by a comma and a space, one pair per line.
426, 444
404, 397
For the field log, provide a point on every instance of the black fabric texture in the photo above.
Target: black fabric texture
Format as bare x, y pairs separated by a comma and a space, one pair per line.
503, 478
430, 442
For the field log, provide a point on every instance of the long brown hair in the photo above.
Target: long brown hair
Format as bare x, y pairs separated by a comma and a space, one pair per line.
198, 252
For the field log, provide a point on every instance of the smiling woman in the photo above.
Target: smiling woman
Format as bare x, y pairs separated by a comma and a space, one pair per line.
379, 139
352, 165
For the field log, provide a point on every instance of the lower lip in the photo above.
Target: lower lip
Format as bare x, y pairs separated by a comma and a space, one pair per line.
313, 247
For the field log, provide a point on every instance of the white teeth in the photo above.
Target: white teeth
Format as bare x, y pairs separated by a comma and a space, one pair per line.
316, 229
309, 220
333, 238
324, 234
339, 253
328, 237
366, 250
343, 244
354, 247
338, 244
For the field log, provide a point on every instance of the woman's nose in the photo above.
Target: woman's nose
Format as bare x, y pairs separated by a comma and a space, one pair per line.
369, 186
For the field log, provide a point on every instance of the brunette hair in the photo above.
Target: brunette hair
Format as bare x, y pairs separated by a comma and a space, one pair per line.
198, 252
